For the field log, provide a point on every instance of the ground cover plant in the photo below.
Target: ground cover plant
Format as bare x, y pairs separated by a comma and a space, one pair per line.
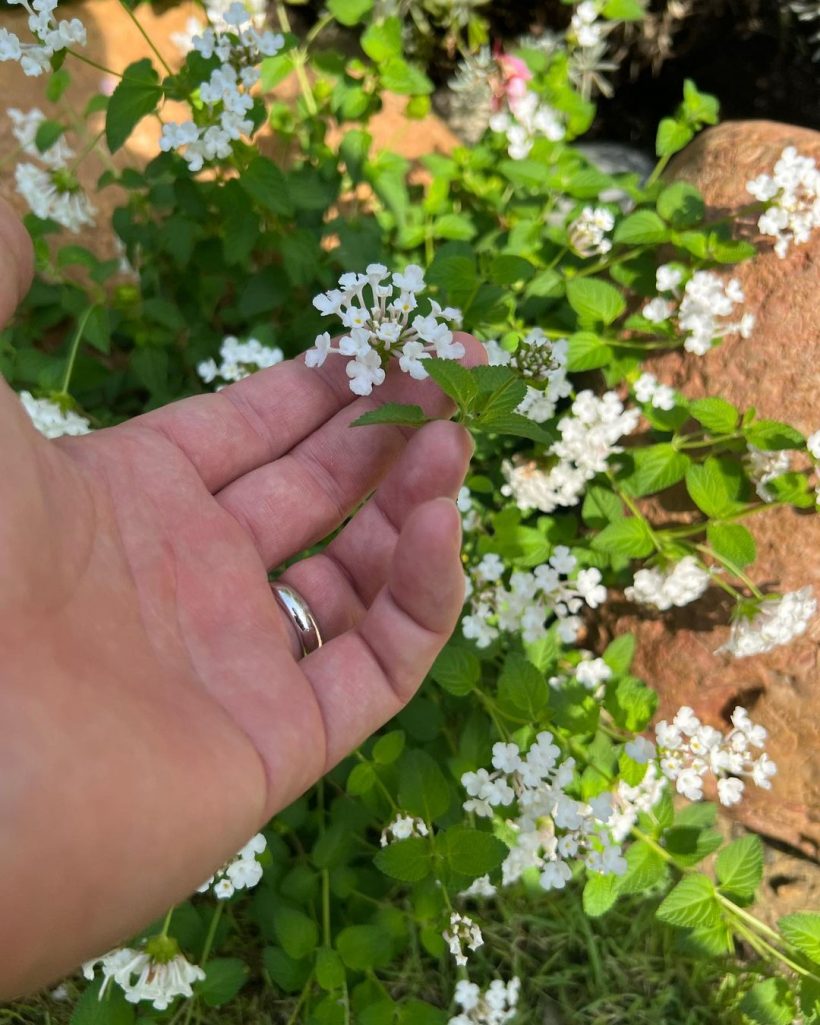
522, 843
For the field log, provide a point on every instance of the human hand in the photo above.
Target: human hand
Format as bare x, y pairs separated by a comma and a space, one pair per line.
154, 709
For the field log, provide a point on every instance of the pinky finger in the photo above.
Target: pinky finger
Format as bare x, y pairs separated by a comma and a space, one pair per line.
365, 676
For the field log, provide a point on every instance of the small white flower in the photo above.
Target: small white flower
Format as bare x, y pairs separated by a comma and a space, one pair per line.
462, 932
640, 750
777, 622
51, 420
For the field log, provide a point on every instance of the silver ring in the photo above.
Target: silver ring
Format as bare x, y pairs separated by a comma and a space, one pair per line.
298, 611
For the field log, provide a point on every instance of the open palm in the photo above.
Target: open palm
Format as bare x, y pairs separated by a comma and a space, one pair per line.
154, 709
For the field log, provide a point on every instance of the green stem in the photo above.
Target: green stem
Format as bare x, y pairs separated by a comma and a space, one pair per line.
660, 167
317, 29
294, 1018
87, 60
72, 353
166, 925
146, 37
326, 906
209, 939
707, 442
733, 569
605, 264
88, 148
299, 60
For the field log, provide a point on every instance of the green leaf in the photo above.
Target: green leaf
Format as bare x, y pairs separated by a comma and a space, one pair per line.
600, 893
699, 108
692, 904
288, 973
656, 467
267, 185
393, 413
515, 424
624, 10
619, 653
672, 136
57, 84
739, 867
423, 789
733, 541
454, 380
296, 932
456, 669
399, 76
715, 941
595, 300
472, 852
362, 778
388, 747
802, 930
644, 227
681, 204
111, 1010
601, 506
713, 486
348, 12
587, 352
329, 970
137, 94
364, 947
224, 977
48, 132
645, 868
690, 844
631, 703
769, 1003
408, 860
382, 40
629, 536
717, 415
454, 226
523, 687
507, 269
771, 435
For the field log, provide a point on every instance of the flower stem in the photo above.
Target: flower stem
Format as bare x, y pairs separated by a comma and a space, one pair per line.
146, 37
209, 939
658, 170
72, 353
87, 60
166, 925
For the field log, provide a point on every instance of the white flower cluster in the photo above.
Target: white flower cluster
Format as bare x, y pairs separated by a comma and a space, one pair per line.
481, 887
706, 298
51, 420
793, 194
52, 192
813, 445
52, 36
402, 827
469, 509
463, 932
688, 750
585, 27
242, 872
588, 439
215, 11
630, 801
380, 328
526, 119
588, 57
226, 95
592, 672
540, 359
239, 360
679, 585
158, 980
777, 621
537, 781
763, 467
648, 389
587, 234
495, 1006
531, 599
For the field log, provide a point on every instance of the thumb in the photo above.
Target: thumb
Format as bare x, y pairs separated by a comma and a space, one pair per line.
16, 261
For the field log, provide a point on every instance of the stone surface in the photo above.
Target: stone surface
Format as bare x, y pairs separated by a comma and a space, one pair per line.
776, 370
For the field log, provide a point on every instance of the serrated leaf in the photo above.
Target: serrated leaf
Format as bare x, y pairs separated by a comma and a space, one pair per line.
348, 12
645, 868
267, 186
472, 852
802, 930
769, 1003
629, 536
456, 669
454, 380
643, 227
656, 467
681, 204
514, 424
408, 860
224, 977
715, 941
382, 40
619, 653
523, 687
631, 703
600, 893
137, 94
717, 415
689, 845
733, 541
713, 486
393, 413
595, 300
601, 506
772, 435
692, 904
423, 789
587, 352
